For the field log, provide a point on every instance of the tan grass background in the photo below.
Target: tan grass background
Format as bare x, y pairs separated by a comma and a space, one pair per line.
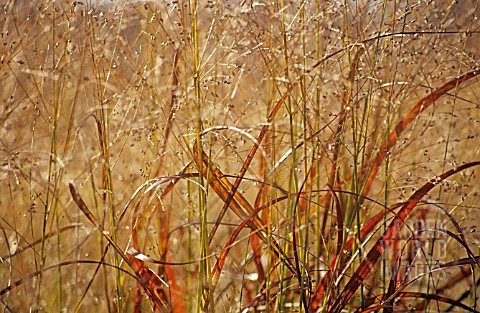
67, 67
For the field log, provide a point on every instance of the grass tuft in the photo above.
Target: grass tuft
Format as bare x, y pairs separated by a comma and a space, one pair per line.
239, 156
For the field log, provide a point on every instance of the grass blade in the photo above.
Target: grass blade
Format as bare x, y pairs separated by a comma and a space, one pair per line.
158, 302
385, 240
421, 105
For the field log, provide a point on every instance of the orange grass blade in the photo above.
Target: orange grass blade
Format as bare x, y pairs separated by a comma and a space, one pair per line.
165, 216
232, 191
231, 240
407, 119
239, 205
374, 166
177, 294
153, 281
158, 302
387, 237
251, 154
318, 295
177, 299
218, 267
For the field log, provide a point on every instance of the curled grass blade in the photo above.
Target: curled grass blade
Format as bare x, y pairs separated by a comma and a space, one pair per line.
66, 263
319, 294
239, 205
439, 298
419, 107
425, 296
387, 237
152, 294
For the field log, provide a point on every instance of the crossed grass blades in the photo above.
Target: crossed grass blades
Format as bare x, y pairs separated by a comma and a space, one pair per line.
309, 235
227, 192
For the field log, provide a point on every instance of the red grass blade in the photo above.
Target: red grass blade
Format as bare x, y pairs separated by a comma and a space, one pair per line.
385, 240
157, 301
239, 205
319, 294
153, 281
407, 119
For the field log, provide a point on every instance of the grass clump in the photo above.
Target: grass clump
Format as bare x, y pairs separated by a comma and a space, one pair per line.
236, 156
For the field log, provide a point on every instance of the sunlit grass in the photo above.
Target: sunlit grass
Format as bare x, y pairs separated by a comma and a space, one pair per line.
239, 155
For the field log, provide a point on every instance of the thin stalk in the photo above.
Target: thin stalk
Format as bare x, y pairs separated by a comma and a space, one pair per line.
307, 168
103, 129
203, 290
293, 179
